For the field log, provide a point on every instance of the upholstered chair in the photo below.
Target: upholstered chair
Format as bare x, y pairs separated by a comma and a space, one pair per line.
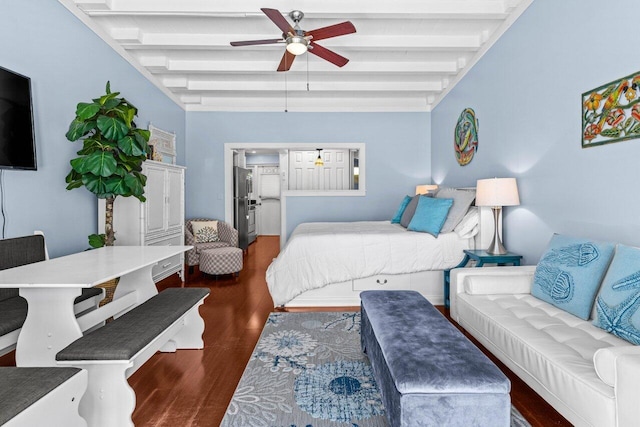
228, 238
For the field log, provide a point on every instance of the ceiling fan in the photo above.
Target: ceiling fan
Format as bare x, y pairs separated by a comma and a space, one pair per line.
299, 41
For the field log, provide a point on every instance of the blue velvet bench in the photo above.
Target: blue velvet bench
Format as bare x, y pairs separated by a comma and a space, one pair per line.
428, 372
41, 396
167, 321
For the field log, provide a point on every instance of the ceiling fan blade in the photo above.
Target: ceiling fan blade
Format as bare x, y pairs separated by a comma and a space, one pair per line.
328, 55
332, 31
286, 61
278, 19
252, 42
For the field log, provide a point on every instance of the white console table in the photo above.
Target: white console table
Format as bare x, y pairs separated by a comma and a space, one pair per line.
51, 286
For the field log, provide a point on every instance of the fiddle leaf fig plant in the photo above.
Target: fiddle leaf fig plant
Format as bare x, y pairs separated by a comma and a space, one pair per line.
113, 150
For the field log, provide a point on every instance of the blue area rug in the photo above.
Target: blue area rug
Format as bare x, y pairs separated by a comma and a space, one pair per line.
308, 370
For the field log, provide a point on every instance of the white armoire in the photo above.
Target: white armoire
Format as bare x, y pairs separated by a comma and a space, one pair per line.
157, 222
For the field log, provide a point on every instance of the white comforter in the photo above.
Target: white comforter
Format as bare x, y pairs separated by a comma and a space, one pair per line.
321, 253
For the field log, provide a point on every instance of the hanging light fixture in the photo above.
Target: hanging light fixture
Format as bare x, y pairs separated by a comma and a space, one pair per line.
319, 161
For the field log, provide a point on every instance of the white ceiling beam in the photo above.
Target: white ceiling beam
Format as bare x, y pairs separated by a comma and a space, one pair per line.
354, 41
177, 84
334, 103
325, 8
161, 64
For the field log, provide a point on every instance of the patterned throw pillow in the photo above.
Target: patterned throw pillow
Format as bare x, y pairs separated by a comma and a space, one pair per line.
570, 272
205, 231
618, 303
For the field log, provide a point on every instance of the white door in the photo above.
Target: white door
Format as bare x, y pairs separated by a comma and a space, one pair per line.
269, 194
174, 202
305, 175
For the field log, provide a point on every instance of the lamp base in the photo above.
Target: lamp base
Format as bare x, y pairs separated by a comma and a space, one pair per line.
496, 247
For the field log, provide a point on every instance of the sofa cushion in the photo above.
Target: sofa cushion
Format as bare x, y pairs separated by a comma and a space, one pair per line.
403, 205
618, 302
205, 231
570, 272
550, 348
200, 247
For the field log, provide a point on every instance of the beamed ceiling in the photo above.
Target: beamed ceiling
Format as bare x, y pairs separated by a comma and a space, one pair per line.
405, 55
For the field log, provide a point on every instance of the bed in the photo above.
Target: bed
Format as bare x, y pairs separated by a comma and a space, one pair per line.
330, 263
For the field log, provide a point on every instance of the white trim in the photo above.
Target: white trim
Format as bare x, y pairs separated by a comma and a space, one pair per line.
229, 147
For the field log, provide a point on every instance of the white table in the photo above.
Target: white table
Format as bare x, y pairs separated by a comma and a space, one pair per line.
51, 286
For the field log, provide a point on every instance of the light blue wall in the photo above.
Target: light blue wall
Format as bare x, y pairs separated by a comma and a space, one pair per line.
397, 158
526, 92
67, 64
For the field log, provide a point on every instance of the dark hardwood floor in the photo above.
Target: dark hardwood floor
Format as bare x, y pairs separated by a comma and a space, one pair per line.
194, 387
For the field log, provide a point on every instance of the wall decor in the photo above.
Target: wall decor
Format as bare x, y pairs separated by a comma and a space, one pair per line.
163, 145
466, 136
611, 112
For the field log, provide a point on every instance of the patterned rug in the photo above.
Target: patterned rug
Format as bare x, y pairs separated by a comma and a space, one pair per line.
308, 370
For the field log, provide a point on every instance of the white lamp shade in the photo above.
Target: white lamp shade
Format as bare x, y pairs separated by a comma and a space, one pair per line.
425, 188
497, 192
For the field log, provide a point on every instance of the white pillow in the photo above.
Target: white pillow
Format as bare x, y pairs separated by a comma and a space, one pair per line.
205, 231
498, 284
468, 226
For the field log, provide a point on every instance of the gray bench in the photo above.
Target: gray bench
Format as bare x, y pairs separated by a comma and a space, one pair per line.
41, 396
20, 251
166, 322
429, 374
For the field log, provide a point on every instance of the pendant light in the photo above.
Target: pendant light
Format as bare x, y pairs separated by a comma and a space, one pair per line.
319, 161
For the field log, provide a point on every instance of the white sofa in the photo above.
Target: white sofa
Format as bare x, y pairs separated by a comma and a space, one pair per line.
588, 375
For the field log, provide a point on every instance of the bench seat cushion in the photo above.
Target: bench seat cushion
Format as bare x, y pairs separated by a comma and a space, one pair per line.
427, 370
22, 387
122, 338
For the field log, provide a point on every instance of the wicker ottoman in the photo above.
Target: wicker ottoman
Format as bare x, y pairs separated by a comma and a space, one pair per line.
221, 261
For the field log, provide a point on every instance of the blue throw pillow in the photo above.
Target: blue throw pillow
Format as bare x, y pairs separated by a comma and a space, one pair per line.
570, 272
618, 303
396, 218
430, 215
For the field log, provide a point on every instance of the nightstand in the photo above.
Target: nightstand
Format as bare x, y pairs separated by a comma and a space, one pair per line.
481, 257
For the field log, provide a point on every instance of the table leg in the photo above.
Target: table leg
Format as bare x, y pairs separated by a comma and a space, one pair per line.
139, 281
49, 327
447, 280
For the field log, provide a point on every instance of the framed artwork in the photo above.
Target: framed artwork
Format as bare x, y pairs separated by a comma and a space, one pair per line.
611, 112
465, 139
163, 145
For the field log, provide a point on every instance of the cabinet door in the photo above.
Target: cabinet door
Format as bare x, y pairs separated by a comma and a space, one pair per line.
175, 192
154, 191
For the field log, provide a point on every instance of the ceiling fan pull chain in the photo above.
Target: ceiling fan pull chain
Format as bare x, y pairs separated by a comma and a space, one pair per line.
307, 73
286, 109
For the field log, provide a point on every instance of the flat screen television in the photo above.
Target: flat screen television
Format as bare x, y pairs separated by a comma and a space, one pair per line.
17, 139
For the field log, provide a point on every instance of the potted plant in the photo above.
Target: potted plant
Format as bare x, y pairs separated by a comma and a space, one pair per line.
110, 161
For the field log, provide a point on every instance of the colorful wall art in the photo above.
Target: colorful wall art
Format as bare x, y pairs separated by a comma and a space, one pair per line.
466, 137
611, 113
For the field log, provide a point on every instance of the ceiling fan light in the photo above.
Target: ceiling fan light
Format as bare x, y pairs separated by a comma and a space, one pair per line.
297, 45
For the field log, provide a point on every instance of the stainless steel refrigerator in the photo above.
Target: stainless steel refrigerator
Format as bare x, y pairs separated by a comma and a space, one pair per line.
242, 187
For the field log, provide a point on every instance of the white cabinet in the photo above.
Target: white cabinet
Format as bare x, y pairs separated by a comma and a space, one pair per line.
159, 221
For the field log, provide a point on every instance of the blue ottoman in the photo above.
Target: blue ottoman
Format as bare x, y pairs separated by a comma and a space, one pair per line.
429, 373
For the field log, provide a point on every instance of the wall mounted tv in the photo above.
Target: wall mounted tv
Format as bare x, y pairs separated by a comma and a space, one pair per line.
17, 140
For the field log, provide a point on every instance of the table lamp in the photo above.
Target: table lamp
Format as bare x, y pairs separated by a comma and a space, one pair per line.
426, 188
496, 193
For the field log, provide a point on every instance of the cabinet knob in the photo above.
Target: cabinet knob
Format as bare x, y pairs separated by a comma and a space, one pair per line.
384, 282
166, 265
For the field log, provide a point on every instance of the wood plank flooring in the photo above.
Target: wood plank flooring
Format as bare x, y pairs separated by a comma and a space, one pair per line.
194, 387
